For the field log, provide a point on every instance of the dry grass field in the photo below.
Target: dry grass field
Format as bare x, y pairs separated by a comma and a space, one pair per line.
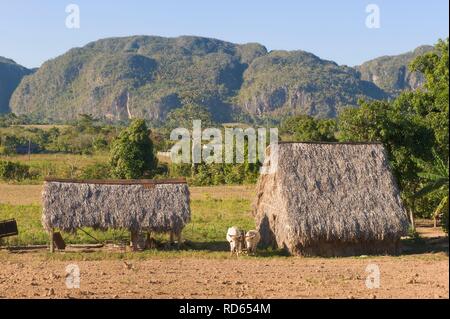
203, 268
31, 194
20, 194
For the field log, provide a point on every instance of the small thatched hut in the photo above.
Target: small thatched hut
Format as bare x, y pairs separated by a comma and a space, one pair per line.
136, 205
329, 199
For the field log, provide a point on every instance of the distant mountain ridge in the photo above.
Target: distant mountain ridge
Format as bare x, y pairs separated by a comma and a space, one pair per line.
6, 60
10, 76
286, 82
148, 76
391, 73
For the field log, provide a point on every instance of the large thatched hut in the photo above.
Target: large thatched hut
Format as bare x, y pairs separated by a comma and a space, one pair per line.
136, 205
329, 199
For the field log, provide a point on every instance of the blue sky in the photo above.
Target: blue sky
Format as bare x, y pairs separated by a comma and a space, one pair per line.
32, 31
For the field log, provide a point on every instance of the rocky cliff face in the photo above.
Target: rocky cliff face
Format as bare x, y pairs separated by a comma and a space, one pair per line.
146, 76
391, 73
142, 76
10, 76
298, 82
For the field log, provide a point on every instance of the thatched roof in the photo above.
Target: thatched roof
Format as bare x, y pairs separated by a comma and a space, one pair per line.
154, 205
322, 193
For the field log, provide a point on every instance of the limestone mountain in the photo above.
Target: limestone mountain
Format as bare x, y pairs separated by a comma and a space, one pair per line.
148, 76
391, 73
140, 76
298, 82
11, 74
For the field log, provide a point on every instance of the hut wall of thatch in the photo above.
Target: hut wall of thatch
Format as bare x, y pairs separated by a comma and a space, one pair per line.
330, 199
142, 205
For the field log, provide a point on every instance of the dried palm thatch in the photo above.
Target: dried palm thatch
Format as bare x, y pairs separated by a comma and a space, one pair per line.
135, 205
330, 199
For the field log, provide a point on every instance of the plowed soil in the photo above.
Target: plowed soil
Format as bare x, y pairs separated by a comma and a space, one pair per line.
421, 272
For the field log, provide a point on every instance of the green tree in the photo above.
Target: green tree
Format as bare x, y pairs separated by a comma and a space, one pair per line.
435, 176
434, 96
85, 122
402, 132
132, 154
306, 128
409, 126
183, 117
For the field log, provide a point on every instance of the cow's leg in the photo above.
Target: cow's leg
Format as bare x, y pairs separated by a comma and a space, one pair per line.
232, 248
52, 245
238, 248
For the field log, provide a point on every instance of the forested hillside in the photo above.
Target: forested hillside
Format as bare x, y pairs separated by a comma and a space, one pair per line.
10, 76
147, 77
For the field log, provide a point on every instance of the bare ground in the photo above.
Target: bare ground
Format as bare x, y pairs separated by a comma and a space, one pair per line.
422, 272
406, 277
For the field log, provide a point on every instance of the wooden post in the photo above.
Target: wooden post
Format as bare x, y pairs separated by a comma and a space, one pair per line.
179, 238
171, 235
411, 218
134, 239
29, 149
411, 214
52, 245
148, 241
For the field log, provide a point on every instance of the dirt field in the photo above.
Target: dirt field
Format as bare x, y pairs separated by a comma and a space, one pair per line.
425, 276
421, 272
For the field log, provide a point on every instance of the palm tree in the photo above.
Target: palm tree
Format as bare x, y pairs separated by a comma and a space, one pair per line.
436, 178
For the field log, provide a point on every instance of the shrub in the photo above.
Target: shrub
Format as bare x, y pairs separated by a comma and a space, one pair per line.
96, 171
177, 170
11, 171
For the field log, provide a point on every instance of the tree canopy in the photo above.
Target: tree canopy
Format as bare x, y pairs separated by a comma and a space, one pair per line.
132, 154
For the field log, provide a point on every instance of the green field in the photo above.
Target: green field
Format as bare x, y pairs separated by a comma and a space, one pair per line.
210, 220
213, 211
61, 165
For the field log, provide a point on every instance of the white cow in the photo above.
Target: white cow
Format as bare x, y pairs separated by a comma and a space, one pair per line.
252, 238
236, 239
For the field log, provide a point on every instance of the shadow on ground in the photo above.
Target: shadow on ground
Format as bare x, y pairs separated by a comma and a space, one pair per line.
422, 245
223, 246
